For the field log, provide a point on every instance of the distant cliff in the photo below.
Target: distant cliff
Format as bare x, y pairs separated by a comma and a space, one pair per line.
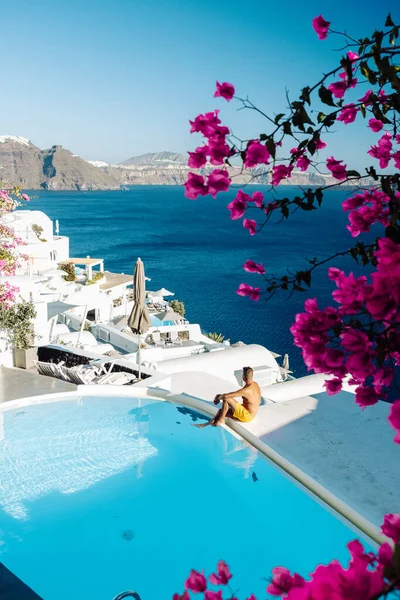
23, 163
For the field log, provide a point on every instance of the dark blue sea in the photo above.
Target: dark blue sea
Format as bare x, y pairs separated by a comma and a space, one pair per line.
193, 249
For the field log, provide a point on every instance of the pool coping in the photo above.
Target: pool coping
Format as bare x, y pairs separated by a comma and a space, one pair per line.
315, 489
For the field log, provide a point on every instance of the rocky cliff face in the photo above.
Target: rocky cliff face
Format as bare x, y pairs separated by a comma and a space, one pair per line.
23, 163
168, 168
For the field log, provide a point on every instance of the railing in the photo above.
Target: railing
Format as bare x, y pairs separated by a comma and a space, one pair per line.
126, 594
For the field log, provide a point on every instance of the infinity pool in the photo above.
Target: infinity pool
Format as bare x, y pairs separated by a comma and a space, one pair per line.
102, 495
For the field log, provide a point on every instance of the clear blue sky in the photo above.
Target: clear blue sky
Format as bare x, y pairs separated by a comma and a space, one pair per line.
110, 79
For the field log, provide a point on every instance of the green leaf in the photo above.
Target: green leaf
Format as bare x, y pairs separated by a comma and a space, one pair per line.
298, 288
363, 111
287, 128
386, 187
389, 22
394, 35
285, 211
354, 254
263, 137
305, 94
326, 96
353, 174
319, 195
372, 173
301, 116
329, 120
307, 278
271, 146
312, 146
368, 73
321, 117
279, 117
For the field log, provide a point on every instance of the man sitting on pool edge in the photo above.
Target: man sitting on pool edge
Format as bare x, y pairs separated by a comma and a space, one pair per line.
251, 396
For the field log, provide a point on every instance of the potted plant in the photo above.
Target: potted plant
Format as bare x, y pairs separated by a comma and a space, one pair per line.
17, 329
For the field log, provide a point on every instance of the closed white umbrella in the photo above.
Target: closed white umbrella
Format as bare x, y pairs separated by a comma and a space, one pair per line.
285, 362
139, 320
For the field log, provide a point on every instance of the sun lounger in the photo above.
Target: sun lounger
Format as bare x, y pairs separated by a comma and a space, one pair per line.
82, 374
116, 378
44, 368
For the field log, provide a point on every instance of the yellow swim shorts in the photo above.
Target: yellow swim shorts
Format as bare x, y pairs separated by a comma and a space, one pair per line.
242, 414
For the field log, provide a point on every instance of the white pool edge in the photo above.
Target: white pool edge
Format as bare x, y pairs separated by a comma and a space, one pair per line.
350, 515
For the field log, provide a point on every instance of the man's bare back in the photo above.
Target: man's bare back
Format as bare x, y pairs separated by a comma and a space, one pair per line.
251, 396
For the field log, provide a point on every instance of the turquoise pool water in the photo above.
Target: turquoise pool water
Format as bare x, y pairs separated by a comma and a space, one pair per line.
101, 495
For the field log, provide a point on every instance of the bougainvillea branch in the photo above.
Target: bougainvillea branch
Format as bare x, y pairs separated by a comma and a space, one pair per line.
357, 340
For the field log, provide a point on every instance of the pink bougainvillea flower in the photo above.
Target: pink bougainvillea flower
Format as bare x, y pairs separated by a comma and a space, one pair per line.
198, 158
256, 154
396, 158
224, 575
391, 527
196, 582
319, 144
394, 419
366, 99
375, 125
209, 595
218, 181
206, 124
282, 581
348, 114
218, 151
248, 290
251, 597
258, 199
338, 88
25, 197
336, 168
366, 396
184, 596
224, 90
195, 186
352, 56
303, 163
280, 172
385, 555
355, 341
344, 76
251, 225
333, 386
320, 27
382, 150
238, 205
252, 267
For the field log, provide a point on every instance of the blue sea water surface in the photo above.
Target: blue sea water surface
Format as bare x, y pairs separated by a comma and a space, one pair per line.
102, 495
196, 251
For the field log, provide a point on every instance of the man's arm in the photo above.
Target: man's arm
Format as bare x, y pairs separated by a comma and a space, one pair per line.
241, 392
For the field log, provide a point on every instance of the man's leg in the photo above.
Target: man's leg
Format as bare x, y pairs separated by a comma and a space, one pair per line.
215, 421
211, 422
228, 405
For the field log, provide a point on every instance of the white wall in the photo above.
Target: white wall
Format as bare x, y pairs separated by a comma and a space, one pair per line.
223, 364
